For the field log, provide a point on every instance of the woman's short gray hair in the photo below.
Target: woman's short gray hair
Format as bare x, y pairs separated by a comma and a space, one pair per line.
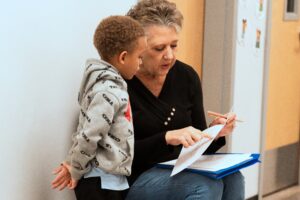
157, 12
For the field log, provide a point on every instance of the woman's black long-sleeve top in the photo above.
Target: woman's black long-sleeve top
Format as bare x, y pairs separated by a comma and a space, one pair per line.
179, 105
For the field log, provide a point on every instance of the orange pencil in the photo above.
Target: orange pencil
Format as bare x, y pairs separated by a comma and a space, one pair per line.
210, 113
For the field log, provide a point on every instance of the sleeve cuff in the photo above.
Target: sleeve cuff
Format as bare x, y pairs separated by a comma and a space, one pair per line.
77, 174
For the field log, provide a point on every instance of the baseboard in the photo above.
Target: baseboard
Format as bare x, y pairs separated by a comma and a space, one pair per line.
281, 168
253, 198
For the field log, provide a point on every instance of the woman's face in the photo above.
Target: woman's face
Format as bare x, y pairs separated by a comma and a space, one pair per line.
160, 54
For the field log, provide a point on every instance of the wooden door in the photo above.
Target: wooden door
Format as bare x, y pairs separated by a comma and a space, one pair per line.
191, 37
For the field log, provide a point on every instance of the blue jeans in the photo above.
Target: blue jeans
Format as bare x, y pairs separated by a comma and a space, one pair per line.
156, 184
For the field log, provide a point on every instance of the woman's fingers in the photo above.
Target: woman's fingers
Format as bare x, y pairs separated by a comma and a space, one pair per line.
231, 122
190, 140
186, 136
198, 135
231, 117
220, 120
185, 143
228, 128
204, 135
195, 135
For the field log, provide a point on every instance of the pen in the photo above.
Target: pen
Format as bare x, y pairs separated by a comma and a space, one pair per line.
210, 113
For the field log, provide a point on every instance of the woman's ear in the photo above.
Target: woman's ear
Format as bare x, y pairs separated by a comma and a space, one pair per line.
122, 57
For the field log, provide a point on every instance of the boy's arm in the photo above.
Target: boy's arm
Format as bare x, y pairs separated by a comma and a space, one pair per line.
96, 123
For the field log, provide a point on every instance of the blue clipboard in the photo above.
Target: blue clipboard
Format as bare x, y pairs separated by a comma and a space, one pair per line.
222, 172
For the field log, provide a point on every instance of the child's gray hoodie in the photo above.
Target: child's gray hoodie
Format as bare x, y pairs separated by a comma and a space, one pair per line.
104, 137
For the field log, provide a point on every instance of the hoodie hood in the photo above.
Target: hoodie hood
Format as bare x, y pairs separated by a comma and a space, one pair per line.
97, 71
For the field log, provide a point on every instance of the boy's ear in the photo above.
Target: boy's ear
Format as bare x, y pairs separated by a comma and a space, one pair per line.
122, 57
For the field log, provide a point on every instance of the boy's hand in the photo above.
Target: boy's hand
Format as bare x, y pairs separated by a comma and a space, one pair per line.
62, 179
73, 183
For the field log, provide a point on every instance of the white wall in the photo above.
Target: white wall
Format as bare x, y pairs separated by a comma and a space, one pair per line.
43, 47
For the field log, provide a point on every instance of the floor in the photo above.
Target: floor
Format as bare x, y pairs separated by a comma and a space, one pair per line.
292, 193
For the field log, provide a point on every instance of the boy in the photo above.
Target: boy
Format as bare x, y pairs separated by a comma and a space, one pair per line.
102, 150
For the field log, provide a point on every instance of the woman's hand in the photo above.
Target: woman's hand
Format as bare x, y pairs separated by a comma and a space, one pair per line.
229, 124
185, 136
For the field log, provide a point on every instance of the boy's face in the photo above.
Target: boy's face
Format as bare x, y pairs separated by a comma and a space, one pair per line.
133, 59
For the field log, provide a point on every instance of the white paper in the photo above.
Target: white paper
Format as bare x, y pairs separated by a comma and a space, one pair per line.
219, 161
189, 155
216, 162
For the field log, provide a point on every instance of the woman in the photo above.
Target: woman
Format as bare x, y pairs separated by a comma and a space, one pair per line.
166, 100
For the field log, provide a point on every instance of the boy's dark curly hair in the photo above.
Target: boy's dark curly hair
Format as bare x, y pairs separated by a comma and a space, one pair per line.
115, 34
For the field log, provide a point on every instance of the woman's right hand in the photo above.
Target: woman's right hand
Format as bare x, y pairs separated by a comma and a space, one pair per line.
186, 136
